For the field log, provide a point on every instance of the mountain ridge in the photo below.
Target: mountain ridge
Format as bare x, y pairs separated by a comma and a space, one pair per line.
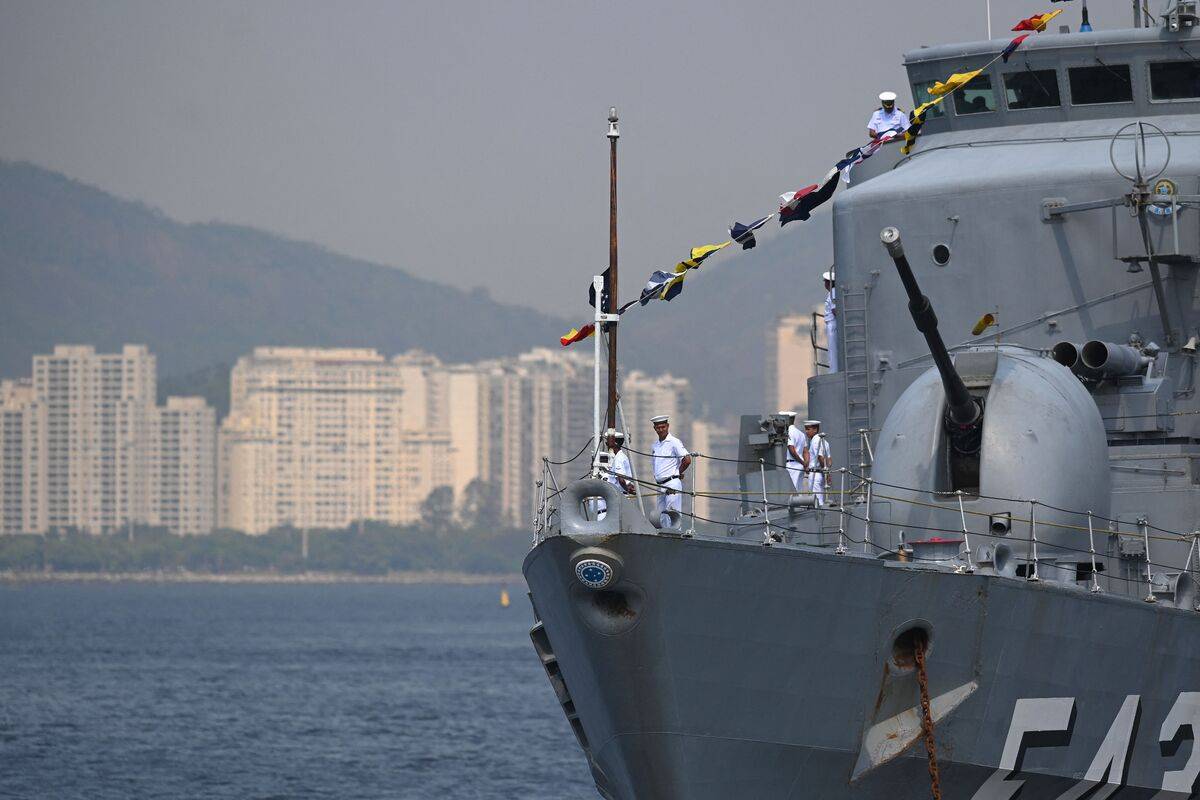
79, 265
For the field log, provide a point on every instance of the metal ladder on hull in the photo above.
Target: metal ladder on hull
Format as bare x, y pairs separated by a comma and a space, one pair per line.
856, 364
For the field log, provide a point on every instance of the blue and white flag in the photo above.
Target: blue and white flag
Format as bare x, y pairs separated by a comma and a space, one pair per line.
744, 234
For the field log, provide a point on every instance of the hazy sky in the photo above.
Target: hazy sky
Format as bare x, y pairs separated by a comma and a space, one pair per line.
464, 141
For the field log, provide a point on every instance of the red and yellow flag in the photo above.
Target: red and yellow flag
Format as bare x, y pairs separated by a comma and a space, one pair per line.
577, 334
1037, 22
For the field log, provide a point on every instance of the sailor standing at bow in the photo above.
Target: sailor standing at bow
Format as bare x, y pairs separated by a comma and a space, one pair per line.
797, 444
819, 460
619, 473
670, 461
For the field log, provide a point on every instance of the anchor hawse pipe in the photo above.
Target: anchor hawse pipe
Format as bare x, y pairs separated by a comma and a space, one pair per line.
963, 410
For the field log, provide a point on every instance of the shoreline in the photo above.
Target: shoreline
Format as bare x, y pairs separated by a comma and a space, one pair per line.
315, 578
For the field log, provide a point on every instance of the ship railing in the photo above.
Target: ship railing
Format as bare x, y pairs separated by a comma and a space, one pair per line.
548, 489
853, 504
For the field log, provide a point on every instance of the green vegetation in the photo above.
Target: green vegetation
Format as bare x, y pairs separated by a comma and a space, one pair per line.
376, 549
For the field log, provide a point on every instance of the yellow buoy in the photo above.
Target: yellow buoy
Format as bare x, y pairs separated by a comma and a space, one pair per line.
504, 598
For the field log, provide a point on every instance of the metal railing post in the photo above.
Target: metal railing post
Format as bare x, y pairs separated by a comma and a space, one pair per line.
841, 548
691, 531
1032, 576
1095, 589
762, 471
966, 538
1144, 524
867, 530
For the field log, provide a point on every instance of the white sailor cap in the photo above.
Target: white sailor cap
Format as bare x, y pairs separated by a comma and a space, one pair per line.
618, 435
660, 418
887, 97
827, 276
811, 422
791, 414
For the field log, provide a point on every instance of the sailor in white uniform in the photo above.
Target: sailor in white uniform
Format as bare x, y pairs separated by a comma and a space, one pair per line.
620, 473
670, 461
797, 443
831, 319
887, 117
819, 460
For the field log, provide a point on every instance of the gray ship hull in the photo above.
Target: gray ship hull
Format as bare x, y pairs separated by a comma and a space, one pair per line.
719, 668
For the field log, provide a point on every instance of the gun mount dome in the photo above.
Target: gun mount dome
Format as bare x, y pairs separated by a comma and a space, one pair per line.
1043, 439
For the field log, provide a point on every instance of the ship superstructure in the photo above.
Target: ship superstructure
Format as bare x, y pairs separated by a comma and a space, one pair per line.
1005, 576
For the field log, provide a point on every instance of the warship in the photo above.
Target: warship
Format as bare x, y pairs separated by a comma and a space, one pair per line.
998, 598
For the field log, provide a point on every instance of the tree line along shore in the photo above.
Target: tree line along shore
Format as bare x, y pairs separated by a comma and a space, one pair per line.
367, 551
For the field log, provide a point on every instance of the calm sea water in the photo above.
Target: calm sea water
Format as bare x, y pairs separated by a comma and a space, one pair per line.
276, 691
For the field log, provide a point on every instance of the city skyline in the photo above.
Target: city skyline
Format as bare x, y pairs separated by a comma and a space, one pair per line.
314, 438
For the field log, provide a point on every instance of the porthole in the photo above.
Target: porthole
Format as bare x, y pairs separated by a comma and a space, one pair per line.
941, 254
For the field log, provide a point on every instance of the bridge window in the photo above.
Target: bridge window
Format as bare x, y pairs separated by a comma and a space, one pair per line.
1032, 89
1105, 83
976, 97
921, 95
1175, 80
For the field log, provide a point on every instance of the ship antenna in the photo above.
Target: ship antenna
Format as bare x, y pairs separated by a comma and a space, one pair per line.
1139, 199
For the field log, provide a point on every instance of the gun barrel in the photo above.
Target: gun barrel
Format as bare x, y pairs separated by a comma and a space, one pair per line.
962, 407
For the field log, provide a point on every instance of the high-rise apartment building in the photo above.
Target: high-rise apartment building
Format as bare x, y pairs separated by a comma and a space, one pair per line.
22, 449
644, 396
182, 464
324, 437
716, 481
792, 360
538, 405
82, 447
312, 439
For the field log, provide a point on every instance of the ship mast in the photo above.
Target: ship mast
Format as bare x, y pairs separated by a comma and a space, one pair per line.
613, 303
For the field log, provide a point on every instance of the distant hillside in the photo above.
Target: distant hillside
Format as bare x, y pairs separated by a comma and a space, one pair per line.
79, 265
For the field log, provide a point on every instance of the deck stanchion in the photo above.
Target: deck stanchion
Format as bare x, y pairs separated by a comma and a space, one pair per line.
691, 531
1092, 548
867, 530
1031, 571
762, 471
1144, 524
841, 548
966, 538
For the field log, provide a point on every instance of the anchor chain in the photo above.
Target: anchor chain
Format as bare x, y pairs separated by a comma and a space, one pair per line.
935, 785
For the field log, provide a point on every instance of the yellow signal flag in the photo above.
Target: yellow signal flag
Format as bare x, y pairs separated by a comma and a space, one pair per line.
698, 255
955, 81
985, 322
916, 121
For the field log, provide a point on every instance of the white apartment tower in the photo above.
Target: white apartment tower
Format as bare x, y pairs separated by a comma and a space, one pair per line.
22, 448
311, 440
643, 396
716, 481
324, 437
183, 469
792, 360
81, 447
98, 433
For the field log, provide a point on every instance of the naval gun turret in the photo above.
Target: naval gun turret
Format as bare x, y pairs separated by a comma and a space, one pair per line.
964, 413
1001, 433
